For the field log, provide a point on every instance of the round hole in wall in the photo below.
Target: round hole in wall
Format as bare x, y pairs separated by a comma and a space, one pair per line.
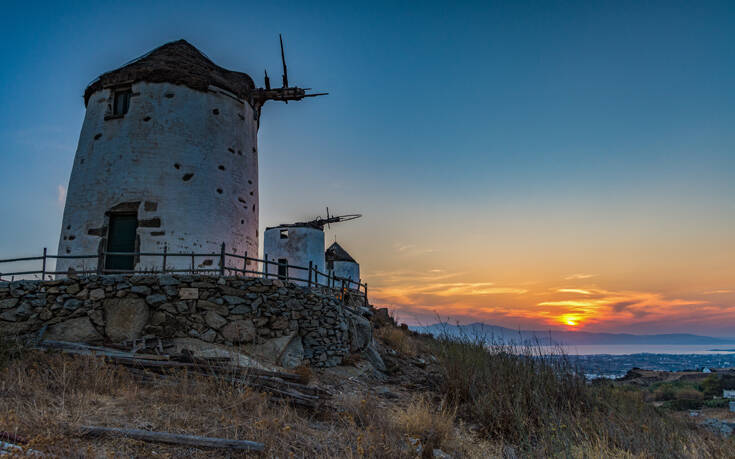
215, 111
177, 165
251, 193
68, 227
147, 118
187, 177
250, 182
221, 167
219, 190
242, 222
97, 136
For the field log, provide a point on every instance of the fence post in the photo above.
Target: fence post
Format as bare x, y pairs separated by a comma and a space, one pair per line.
311, 264
222, 260
245, 265
366, 300
100, 259
192, 262
165, 251
43, 268
265, 264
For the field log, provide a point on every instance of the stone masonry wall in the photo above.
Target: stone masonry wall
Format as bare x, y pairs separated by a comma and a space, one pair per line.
230, 311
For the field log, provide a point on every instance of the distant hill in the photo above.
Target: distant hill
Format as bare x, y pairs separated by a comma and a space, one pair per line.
494, 333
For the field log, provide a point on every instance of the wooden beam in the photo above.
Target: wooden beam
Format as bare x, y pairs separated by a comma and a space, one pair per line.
175, 439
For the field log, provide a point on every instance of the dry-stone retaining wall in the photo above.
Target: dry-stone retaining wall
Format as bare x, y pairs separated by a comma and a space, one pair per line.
230, 311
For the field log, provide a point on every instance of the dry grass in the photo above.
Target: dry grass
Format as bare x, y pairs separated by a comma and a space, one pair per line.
398, 339
45, 397
542, 406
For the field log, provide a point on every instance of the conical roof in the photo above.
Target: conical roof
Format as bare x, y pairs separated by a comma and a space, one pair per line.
177, 62
335, 252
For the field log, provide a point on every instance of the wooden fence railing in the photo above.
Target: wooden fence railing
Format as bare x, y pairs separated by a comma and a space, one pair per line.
313, 278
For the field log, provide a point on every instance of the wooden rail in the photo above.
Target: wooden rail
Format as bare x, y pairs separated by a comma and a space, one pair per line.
313, 278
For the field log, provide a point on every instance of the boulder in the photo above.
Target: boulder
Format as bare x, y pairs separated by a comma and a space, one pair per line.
239, 331
126, 318
372, 355
79, 330
361, 331
286, 351
293, 355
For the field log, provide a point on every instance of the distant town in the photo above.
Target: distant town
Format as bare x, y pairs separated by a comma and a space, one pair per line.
614, 366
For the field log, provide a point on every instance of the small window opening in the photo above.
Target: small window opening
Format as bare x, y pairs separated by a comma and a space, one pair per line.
284, 234
121, 102
282, 268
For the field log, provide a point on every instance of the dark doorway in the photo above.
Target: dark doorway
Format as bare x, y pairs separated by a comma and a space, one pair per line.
282, 268
121, 238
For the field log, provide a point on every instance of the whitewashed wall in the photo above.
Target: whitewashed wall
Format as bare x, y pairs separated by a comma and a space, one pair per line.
169, 132
304, 244
347, 270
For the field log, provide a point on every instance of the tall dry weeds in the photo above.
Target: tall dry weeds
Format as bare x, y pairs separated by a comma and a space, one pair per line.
537, 403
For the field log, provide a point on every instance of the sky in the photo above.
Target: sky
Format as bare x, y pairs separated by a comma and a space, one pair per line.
536, 165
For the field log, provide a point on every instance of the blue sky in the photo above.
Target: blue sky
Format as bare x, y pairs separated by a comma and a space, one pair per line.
493, 141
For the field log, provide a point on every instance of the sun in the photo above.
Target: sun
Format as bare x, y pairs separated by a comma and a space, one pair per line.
571, 320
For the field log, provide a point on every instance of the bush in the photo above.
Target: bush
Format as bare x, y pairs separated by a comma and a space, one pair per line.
712, 386
717, 403
688, 393
664, 393
683, 404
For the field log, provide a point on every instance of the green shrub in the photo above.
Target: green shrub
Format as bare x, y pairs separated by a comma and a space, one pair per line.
683, 404
688, 393
712, 386
717, 403
663, 393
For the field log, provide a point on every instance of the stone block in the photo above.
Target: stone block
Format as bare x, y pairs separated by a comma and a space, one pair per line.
125, 318
220, 309
239, 331
97, 294
79, 330
189, 293
215, 320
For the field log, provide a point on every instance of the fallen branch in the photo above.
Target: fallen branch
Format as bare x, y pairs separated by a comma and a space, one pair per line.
175, 439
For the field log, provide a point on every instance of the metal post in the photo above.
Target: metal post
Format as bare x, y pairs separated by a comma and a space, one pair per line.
192, 262
222, 260
366, 300
245, 265
165, 252
43, 268
311, 264
265, 263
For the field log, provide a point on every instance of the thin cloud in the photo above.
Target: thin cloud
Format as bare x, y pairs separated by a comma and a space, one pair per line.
579, 276
574, 290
